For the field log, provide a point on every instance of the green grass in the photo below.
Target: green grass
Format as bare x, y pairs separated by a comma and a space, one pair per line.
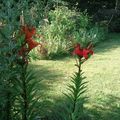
102, 71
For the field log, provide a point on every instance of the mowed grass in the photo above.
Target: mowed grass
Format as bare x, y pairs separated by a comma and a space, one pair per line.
103, 75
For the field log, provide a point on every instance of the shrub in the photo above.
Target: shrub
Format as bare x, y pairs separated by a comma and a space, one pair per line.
64, 27
59, 28
92, 35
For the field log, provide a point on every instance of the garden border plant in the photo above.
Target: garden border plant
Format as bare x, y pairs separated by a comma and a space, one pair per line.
72, 107
17, 86
64, 27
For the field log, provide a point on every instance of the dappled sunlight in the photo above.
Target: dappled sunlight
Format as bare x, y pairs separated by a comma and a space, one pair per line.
102, 72
105, 108
59, 60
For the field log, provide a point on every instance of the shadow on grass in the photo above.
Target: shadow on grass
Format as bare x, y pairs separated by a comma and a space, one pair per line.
60, 56
107, 109
61, 110
112, 42
45, 78
44, 73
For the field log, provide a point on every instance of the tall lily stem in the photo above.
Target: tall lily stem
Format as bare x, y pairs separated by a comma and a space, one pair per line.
24, 94
79, 63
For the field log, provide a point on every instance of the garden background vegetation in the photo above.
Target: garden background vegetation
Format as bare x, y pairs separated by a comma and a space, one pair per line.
60, 24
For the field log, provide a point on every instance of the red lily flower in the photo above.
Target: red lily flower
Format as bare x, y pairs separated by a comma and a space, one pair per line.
82, 52
32, 44
87, 52
78, 50
29, 33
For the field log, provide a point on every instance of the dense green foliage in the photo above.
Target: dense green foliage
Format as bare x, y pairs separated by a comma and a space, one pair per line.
17, 90
8, 65
61, 24
64, 27
26, 103
74, 107
93, 7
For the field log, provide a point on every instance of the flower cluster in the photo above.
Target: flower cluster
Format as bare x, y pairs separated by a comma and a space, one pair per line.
82, 52
29, 42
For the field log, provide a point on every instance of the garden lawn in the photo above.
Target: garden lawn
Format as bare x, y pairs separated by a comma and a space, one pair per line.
102, 71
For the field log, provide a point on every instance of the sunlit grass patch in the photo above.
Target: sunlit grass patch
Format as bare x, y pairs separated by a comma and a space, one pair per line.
102, 72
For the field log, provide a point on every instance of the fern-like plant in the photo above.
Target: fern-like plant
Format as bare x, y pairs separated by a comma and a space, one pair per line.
77, 90
26, 103
75, 98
